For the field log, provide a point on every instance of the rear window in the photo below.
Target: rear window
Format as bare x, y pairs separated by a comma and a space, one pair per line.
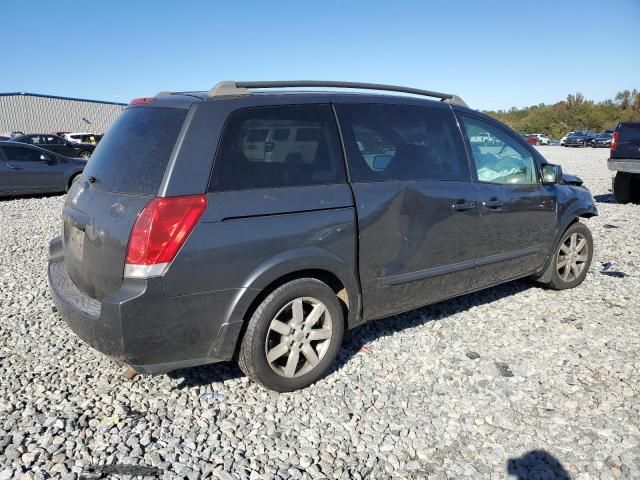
629, 131
134, 153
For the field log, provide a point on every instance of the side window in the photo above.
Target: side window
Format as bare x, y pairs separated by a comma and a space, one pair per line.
19, 154
34, 140
402, 142
54, 140
281, 134
498, 157
259, 150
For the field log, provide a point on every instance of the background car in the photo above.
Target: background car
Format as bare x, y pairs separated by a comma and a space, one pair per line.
57, 144
82, 137
531, 139
542, 139
602, 140
562, 140
29, 169
577, 139
624, 159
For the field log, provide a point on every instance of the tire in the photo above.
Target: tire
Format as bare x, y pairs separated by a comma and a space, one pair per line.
73, 180
622, 187
560, 271
86, 154
635, 188
289, 368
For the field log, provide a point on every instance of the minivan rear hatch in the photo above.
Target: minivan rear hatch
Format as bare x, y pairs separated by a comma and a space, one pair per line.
124, 173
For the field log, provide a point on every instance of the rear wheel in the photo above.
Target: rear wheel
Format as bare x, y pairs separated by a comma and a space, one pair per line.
572, 258
622, 187
293, 336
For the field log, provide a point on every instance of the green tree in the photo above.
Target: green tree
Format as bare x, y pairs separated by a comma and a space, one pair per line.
573, 113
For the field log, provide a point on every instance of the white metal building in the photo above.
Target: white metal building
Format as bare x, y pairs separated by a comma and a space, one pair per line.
30, 113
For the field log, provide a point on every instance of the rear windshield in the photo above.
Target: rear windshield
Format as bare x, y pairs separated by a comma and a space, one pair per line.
629, 131
133, 154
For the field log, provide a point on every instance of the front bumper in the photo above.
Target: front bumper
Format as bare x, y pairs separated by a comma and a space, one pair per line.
141, 326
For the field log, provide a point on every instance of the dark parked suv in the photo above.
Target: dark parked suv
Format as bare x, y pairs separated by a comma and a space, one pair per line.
625, 160
261, 225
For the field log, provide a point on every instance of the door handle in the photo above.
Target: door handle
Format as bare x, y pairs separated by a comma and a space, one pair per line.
494, 204
462, 205
13, 167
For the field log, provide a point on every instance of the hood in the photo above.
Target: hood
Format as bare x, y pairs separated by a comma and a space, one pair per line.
568, 179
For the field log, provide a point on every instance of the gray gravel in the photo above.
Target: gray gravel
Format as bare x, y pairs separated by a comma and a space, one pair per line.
512, 380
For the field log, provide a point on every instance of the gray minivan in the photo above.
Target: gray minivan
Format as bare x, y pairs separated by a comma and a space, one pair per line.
192, 238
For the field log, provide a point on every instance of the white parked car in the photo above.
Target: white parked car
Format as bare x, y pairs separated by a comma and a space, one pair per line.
82, 137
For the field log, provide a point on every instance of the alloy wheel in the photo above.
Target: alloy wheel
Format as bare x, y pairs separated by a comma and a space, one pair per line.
298, 337
572, 257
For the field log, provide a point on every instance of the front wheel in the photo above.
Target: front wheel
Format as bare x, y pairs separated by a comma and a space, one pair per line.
293, 336
85, 155
572, 258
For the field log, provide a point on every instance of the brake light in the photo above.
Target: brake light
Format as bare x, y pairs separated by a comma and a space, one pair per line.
614, 141
143, 100
160, 230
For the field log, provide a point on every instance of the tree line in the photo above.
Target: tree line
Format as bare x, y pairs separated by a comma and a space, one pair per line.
574, 113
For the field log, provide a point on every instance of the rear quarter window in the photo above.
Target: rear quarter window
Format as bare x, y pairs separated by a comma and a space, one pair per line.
133, 155
257, 150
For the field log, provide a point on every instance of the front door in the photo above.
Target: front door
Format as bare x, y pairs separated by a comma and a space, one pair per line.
517, 212
417, 207
60, 146
31, 173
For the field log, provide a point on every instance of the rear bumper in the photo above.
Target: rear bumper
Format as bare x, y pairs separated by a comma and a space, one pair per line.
624, 165
141, 326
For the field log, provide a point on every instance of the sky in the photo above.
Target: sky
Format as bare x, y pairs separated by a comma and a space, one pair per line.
494, 54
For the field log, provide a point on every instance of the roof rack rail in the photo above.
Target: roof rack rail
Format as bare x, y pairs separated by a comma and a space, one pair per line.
228, 88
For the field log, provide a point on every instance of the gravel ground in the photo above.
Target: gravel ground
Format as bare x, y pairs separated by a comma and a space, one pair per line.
515, 380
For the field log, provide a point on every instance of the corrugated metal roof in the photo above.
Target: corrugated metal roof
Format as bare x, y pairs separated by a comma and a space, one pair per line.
10, 94
46, 113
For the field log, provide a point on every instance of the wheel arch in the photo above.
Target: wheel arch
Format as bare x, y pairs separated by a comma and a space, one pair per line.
70, 180
273, 273
573, 216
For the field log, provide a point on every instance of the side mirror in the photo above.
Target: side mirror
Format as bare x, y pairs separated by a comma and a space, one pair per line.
381, 162
551, 173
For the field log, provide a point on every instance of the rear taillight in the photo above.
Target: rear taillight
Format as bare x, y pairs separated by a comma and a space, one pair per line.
614, 141
160, 230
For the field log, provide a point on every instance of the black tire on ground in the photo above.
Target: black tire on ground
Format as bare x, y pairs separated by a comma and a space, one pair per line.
622, 187
85, 154
252, 357
556, 273
635, 188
